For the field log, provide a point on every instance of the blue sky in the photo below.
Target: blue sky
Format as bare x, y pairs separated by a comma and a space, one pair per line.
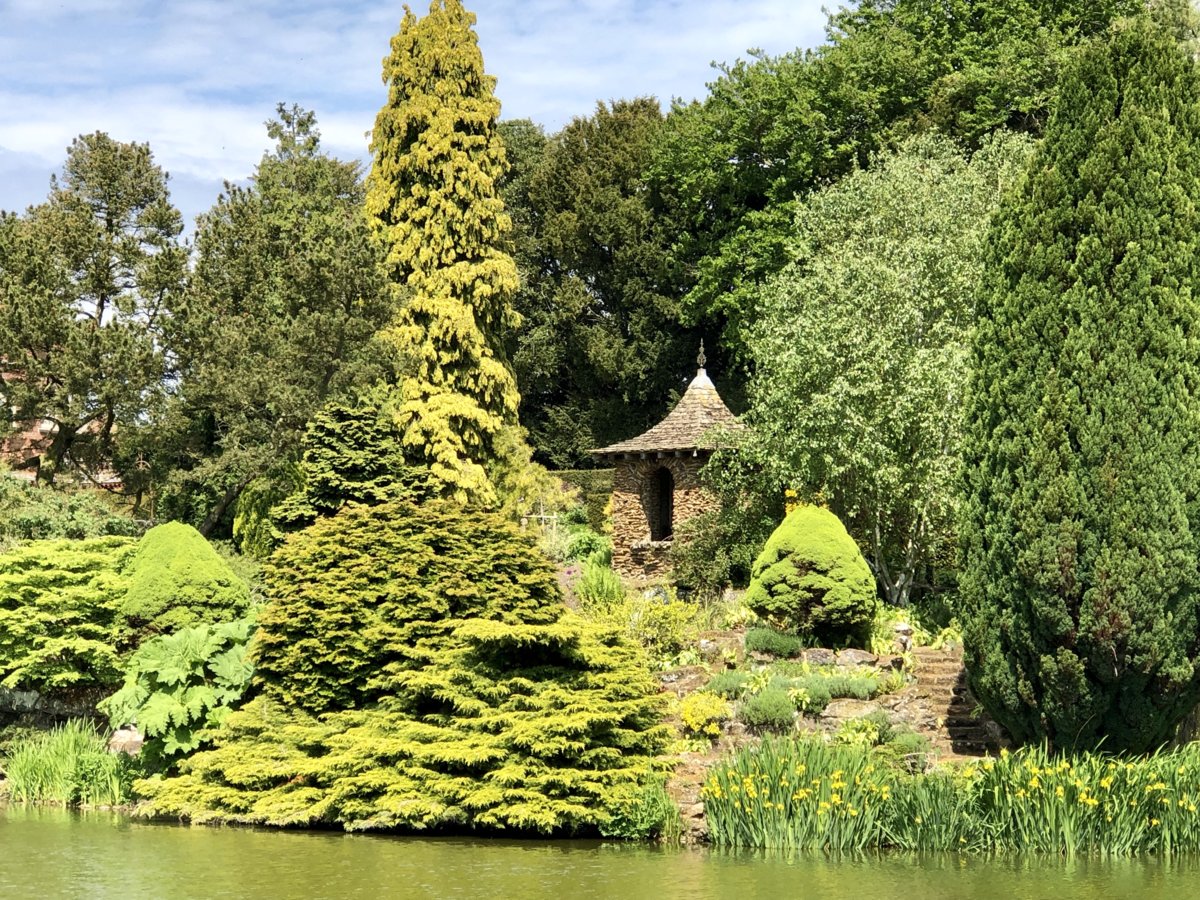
197, 78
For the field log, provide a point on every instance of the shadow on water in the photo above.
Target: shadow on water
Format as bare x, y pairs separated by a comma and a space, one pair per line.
54, 853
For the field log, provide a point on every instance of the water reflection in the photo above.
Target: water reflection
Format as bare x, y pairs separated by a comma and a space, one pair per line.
51, 853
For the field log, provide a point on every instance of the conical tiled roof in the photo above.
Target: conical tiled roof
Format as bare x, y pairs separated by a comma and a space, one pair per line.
699, 411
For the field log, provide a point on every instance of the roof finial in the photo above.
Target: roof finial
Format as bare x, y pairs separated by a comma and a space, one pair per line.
700, 360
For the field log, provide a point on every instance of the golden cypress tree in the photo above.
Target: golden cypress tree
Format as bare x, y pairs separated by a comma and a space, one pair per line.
433, 202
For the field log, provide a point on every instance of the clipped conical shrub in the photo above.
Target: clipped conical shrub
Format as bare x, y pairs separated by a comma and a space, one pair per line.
812, 579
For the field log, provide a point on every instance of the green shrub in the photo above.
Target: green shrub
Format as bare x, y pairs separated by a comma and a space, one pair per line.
39, 513
355, 599
59, 625
180, 685
773, 643
583, 543
910, 747
641, 813
810, 693
352, 454
177, 580
1080, 524
811, 579
729, 685
598, 587
417, 669
770, 709
853, 686
70, 765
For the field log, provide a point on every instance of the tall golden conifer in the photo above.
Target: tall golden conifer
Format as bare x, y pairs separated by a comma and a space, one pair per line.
432, 200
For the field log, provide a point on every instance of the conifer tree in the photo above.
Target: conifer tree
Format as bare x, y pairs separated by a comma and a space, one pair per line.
432, 198
1081, 524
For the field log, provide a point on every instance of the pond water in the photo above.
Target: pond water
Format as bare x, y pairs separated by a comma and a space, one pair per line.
47, 853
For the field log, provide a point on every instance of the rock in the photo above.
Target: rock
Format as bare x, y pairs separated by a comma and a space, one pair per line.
126, 740
894, 663
850, 709
819, 656
854, 657
685, 679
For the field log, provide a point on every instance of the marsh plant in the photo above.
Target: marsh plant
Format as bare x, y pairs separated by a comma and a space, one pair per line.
811, 794
69, 765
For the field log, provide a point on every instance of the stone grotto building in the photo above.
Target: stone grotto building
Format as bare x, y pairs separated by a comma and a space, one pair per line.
656, 478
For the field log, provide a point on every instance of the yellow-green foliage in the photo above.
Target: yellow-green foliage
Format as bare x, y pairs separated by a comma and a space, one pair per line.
177, 580
433, 203
811, 578
59, 622
702, 714
362, 596
418, 670
509, 727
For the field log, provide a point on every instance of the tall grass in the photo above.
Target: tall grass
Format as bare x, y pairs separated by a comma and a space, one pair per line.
804, 793
69, 765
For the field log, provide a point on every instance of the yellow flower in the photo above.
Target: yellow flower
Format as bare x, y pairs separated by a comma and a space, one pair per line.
1034, 783
1153, 822
1058, 791
1106, 782
919, 820
852, 811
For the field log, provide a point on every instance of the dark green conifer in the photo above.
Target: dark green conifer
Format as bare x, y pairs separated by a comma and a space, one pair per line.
1082, 515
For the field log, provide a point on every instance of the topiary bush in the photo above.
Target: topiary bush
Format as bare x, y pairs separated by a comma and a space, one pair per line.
811, 579
177, 580
417, 669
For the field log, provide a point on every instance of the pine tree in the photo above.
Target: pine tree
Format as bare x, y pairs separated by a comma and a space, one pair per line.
432, 198
1081, 526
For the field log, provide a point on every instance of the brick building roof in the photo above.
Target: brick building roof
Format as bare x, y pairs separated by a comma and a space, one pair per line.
688, 427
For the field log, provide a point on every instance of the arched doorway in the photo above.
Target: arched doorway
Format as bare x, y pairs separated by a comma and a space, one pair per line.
661, 508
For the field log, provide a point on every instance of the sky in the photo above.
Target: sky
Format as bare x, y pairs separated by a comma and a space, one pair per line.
198, 78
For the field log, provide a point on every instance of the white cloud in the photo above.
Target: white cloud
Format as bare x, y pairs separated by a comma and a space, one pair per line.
197, 78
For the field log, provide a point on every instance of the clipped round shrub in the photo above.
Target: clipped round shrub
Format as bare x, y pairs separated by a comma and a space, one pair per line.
811, 579
773, 643
177, 580
771, 710
729, 685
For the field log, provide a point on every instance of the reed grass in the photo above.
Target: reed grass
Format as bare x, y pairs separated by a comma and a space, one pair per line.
69, 765
803, 793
